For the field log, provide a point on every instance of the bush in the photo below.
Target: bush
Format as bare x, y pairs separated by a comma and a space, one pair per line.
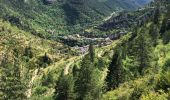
155, 96
164, 82
166, 65
40, 90
44, 61
136, 94
47, 79
166, 37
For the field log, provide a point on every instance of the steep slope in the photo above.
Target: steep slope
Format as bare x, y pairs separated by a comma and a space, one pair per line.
48, 19
32, 50
45, 17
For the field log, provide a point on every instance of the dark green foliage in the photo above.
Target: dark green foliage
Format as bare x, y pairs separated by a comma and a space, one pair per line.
163, 26
13, 20
28, 52
166, 66
169, 95
154, 33
164, 82
11, 87
168, 11
142, 50
64, 89
44, 61
115, 74
72, 13
166, 37
3, 28
165, 23
40, 90
101, 64
37, 17
156, 16
75, 71
85, 75
88, 84
91, 52
47, 80
136, 94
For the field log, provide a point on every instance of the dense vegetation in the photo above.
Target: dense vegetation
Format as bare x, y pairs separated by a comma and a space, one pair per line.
123, 57
59, 16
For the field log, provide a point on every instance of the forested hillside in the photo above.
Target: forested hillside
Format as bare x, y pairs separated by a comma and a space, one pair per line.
43, 17
84, 50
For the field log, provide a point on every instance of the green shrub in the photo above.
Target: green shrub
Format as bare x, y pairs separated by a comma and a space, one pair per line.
166, 37
40, 90
155, 96
164, 82
44, 61
166, 65
136, 94
47, 80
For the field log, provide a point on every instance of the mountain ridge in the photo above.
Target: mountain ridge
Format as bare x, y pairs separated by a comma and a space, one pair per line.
61, 16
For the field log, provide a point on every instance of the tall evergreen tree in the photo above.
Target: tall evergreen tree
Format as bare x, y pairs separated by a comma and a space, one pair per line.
154, 33
18, 83
156, 16
163, 26
142, 49
11, 87
166, 37
84, 77
65, 88
89, 84
91, 52
115, 74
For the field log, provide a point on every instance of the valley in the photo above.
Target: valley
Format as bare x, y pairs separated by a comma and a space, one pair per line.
84, 49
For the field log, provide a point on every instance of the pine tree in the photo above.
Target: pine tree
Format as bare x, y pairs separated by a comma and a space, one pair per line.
154, 33
11, 86
84, 77
166, 37
75, 71
4, 78
156, 16
18, 83
116, 72
142, 50
28, 52
65, 88
91, 52
47, 79
89, 85
163, 26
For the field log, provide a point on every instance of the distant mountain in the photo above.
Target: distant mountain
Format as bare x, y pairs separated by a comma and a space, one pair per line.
39, 16
99, 8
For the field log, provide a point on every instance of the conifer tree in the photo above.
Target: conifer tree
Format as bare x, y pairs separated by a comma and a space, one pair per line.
11, 87
75, 71
154, 33
91, 52
65, 88
166, 37
163, 26
156, 16
142, 50
19, 85
28, 52
89, 85
116, 72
